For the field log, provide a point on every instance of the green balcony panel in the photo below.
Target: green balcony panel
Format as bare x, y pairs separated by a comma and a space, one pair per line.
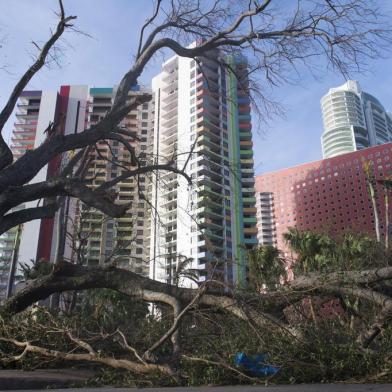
249, 199
250, 219
101, 90
246, 152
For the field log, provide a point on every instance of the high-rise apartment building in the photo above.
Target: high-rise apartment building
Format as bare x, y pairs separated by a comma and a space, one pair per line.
35, 109
266, 229
73, 109
353, 120
328, 196
201, 107
71, 103
122, 239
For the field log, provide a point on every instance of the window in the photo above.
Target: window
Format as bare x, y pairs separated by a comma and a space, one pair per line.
144, 116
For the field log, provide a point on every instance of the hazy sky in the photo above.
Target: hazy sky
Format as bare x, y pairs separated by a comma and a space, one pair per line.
103, 58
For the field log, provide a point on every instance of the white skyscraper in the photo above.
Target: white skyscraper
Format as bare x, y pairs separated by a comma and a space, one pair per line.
353, 119
210, 223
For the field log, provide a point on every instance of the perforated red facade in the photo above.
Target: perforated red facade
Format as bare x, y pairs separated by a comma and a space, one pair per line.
329, 195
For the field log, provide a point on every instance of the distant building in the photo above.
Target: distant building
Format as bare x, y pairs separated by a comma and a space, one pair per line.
329, 196
353, 120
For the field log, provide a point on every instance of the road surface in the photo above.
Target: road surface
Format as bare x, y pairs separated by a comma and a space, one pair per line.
280, 388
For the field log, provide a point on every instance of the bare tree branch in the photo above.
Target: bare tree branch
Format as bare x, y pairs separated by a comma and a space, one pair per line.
64, 22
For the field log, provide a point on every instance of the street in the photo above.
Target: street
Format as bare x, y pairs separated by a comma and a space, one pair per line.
280, 388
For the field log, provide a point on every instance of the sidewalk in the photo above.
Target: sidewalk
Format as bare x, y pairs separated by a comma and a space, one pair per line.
40, 379
280, 388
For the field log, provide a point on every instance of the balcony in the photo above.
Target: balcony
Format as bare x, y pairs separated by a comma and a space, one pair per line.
249, 210
202, 211
215, 248
171, 74
203, 257
213, 134
206, 150
207, 222
28, 105
169, 192
23, 141
207, 140
170, 113
248, 180
250, 230
245, 135
250, 200
250, 219
247, 162
170, 98
204, 189
248, 190
208, 170
250, 241
205, 202
212, 235
169, 203
169, 122
171, 87
167, 106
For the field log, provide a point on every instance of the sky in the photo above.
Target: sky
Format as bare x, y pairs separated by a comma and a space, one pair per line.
103, 52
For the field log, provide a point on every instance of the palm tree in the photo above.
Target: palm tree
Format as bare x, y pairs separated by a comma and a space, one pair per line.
387, 186
182, 270
312, 249
371, 186
266, 267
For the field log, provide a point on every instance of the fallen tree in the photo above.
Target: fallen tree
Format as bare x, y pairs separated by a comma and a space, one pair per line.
185, 313
71, 277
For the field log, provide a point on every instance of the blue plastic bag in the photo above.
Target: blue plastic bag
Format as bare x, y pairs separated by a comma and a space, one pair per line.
255, 364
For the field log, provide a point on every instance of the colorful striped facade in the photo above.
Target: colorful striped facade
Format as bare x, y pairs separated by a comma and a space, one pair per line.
203, 108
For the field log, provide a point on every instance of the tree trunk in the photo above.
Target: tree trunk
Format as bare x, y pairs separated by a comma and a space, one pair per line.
372, 193
386, 200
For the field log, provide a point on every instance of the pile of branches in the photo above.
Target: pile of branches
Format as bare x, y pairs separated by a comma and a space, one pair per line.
187, 324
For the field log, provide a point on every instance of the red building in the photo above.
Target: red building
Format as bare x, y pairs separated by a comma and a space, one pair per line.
329, 196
